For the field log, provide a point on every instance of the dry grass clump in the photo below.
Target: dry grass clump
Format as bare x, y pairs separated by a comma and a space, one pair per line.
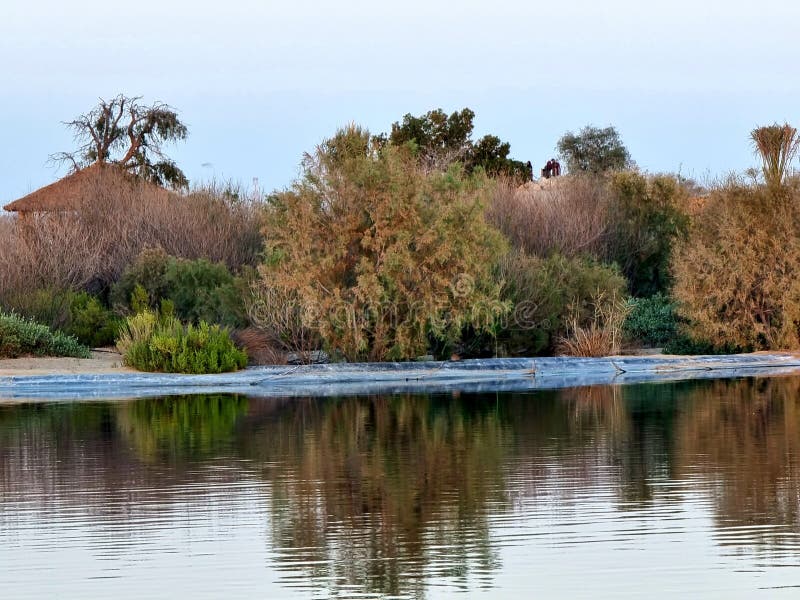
568, 216
90, 247
602, 335
259, 346
283, 326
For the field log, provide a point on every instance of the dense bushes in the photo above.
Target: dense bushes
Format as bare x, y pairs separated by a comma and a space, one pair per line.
89, 248
552, 297
379, 255
626, 218
647, 217
78, 314
21, 337
152, 342
91, 322
737, 276
198, 289
652, 321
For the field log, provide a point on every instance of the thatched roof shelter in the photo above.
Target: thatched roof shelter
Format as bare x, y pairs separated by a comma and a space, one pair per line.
79, 188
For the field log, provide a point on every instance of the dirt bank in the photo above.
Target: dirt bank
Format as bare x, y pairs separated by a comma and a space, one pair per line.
104, 361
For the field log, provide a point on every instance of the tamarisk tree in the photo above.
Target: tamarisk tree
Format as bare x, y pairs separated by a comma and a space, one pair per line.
130, 134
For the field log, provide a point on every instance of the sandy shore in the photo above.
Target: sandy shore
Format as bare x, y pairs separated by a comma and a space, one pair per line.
103, 361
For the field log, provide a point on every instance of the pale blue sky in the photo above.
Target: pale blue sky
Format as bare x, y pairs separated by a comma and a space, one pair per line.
260, 82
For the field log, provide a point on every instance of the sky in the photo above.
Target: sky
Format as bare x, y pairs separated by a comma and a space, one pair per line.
261, 82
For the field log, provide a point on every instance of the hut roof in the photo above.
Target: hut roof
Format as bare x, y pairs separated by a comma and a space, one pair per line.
71, 191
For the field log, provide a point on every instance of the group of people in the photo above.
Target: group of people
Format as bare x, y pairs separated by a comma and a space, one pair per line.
551, 169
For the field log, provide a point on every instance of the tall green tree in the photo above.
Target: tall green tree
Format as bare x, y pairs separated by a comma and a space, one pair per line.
130, 134
594, 150
440, 139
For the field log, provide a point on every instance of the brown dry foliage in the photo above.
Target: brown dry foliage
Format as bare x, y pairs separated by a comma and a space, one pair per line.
90, 247
602, 335
737, 276
568, 216
259, 346
379, 254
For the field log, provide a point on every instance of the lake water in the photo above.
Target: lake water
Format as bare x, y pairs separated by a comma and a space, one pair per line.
681, 490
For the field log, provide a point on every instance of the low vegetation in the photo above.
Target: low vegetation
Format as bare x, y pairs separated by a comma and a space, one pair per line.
22, 337
151, 341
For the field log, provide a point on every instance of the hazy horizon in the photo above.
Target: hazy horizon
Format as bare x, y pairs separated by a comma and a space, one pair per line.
263, 82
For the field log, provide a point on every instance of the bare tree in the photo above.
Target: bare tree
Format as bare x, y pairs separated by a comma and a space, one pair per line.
130, 134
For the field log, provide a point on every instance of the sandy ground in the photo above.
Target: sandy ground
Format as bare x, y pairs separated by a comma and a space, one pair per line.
102, 361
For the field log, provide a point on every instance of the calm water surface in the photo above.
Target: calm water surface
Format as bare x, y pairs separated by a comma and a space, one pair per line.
669, 490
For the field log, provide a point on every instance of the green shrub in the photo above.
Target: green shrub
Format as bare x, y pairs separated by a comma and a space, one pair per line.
152, 342
90, 322
78, 314
550, 294
647, 218
652, 321
20, 337
200, 290
48, 306
684, 344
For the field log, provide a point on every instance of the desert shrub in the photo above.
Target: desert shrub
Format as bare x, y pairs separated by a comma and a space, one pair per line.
198, 289
117, 217
646, 217
550, 295
282, 319
152, 342
737, 276
602, 335
380, 254
20, 337
566, 216
652, 321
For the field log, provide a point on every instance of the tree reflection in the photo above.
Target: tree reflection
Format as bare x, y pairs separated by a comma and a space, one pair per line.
390, 493
180, 427
384, 492
743, 437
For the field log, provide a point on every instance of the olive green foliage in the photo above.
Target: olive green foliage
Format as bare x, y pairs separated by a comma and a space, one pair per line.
594, 150
777, 145
90, 322
78, 314
200, 290
49, 306
646, 218
685, 344
652, 321
150, 341
550, 295
737, 276
379, 254
440, 139
21, 337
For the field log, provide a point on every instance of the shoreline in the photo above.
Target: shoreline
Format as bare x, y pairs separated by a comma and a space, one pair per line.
104, 377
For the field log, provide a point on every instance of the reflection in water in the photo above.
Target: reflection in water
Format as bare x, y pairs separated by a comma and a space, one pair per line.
408, 495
